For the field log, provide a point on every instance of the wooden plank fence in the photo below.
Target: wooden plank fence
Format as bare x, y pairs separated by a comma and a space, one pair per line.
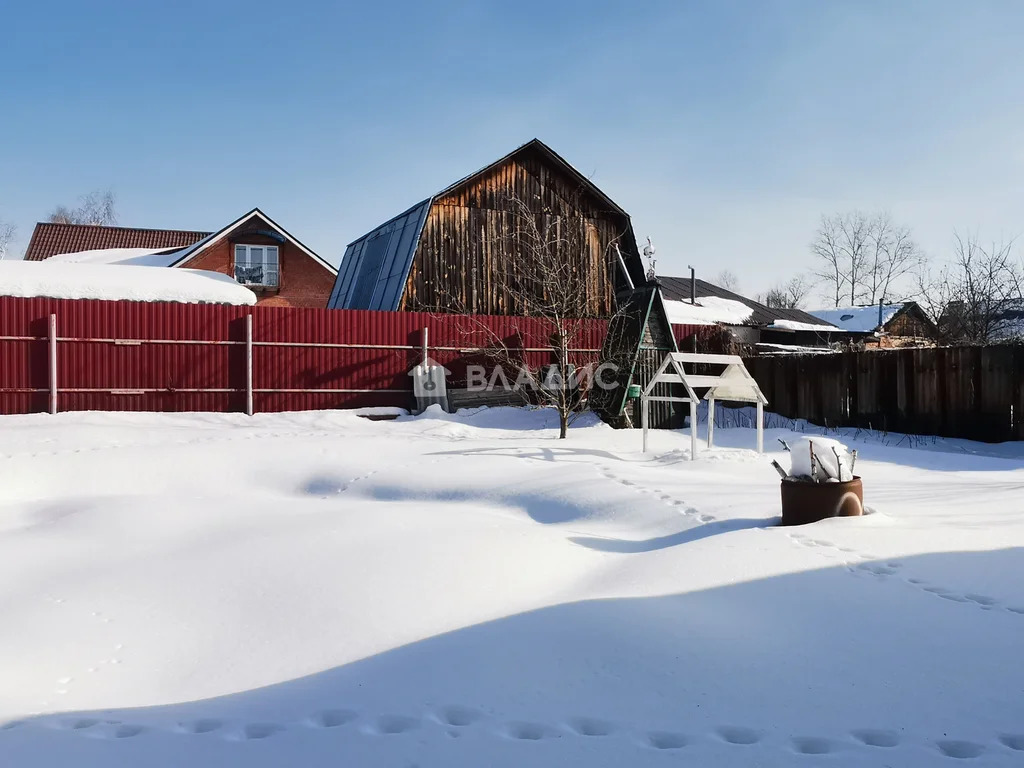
968, 392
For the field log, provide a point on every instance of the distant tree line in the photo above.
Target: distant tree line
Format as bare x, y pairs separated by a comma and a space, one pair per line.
861, 259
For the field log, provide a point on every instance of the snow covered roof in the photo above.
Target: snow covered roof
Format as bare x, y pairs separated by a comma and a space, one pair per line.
793, 325
857, 319
760, 315
709, 310
139, 257
114, 282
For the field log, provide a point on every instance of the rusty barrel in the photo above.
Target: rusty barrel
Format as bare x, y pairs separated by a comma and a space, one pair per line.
804, 502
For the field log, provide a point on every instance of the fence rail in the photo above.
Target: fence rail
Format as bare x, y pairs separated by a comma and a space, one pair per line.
967, 392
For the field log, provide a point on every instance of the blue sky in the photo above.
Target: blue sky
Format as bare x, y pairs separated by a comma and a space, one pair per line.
725, 128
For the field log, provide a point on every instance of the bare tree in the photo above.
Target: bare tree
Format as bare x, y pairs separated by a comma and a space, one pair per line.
834, 253
544, 274
892, 255
788, 295
7, 233
727, 279
860, 258
93, 208
976, 296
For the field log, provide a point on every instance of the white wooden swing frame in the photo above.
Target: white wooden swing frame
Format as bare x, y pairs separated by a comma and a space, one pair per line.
733, 383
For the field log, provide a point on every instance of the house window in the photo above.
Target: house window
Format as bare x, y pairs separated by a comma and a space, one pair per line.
257, 265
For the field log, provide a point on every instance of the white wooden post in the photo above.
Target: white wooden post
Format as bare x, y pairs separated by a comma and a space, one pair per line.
53, 363
693, 430
643, 418
711, 421
248, 365
760, 427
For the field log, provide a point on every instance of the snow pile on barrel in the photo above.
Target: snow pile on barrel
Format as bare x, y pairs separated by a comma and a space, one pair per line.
29, 279
832, 461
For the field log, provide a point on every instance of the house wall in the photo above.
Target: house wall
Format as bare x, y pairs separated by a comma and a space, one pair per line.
910, 323
461, 263
304, 282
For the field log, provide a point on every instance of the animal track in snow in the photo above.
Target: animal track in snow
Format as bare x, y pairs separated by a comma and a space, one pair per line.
458, 716
872, 737
456, 720
667, 740
813, 745
960, 749
260, 731
589, 726
529, 731
332, 718
662, 495
885, 569
200, 726
735, 734
389, 725
1014, 741
127, 731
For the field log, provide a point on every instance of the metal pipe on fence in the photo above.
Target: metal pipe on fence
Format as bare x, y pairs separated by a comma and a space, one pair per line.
248, 365
53, 363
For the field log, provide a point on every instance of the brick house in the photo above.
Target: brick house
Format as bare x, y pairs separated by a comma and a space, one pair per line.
253, 249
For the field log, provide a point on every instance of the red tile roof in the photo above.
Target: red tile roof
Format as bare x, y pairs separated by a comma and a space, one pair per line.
49, 239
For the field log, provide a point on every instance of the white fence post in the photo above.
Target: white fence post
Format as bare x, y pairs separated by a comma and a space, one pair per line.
248, 365
53, 363
693, 430
643, 419
760, 427
711, 422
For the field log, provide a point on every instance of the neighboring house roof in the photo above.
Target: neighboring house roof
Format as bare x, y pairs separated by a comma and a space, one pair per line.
49, 239
718, 305
87, 243
375, 267
860, 319
119, 282
187, 254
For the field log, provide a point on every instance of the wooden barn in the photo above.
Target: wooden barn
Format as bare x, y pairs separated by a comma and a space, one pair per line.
454, 251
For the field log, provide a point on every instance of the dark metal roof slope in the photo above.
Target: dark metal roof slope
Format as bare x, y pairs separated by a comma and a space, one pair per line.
375, 267
49, 239
678, 289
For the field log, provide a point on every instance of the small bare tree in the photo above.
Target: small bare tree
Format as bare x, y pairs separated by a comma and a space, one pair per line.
94, 208
7, 233
727, 279
975, 296
788, 295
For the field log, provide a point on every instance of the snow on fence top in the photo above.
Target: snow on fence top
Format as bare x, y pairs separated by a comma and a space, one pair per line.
137, 257
709, 310
27, 279
857, 319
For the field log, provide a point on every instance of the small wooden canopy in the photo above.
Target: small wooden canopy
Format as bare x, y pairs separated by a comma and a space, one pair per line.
733, 383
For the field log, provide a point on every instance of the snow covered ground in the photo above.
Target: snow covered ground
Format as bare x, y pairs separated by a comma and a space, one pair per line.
317, 589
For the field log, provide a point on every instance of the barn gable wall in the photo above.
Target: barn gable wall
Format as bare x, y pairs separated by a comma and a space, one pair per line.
459, 256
